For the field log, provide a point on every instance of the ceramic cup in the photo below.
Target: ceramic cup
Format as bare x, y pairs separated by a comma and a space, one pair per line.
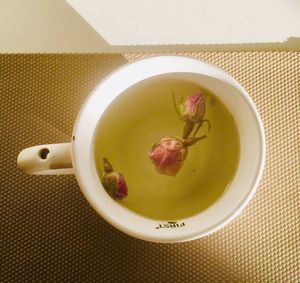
76, 157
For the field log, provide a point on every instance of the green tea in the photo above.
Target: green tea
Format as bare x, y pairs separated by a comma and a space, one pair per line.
143, 114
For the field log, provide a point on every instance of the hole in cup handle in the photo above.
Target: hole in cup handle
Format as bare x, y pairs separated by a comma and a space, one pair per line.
47, 159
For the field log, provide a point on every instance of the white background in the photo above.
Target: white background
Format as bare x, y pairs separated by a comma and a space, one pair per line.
142, 25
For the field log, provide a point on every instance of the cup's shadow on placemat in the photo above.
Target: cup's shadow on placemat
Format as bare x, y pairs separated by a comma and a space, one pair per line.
48, 232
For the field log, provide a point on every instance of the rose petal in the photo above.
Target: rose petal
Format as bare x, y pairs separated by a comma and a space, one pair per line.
168, 155
122, 189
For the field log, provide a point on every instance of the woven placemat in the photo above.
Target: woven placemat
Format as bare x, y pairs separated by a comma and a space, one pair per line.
48, 231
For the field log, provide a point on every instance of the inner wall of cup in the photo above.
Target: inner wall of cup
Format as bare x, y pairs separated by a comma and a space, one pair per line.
246, 122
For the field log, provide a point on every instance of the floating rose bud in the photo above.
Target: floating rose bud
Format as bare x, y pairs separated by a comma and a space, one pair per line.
169, 154
192, 111
193, 108
113, 182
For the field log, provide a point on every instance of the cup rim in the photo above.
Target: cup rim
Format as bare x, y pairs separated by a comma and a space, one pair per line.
81, 171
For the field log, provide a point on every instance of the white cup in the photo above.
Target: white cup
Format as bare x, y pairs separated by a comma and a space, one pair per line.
76, 157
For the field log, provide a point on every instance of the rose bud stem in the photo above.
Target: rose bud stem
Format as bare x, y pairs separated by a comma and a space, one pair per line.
200, 124
107, 167
191, 141
188, 128
175, 105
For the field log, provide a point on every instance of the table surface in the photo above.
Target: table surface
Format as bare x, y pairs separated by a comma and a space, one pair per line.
50, 233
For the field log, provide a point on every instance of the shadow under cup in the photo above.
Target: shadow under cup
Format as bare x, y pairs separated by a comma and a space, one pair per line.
243, 185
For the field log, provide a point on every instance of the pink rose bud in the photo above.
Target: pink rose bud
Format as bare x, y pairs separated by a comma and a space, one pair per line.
193, 108
113, 182
168, 155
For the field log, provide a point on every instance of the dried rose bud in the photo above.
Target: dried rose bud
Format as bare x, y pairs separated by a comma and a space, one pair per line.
168, 155
113, 182
192, 111
193, 108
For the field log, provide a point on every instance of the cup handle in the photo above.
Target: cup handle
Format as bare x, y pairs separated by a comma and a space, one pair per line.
47, 159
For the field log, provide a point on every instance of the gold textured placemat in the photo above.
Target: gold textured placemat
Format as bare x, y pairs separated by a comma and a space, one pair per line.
49, 233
